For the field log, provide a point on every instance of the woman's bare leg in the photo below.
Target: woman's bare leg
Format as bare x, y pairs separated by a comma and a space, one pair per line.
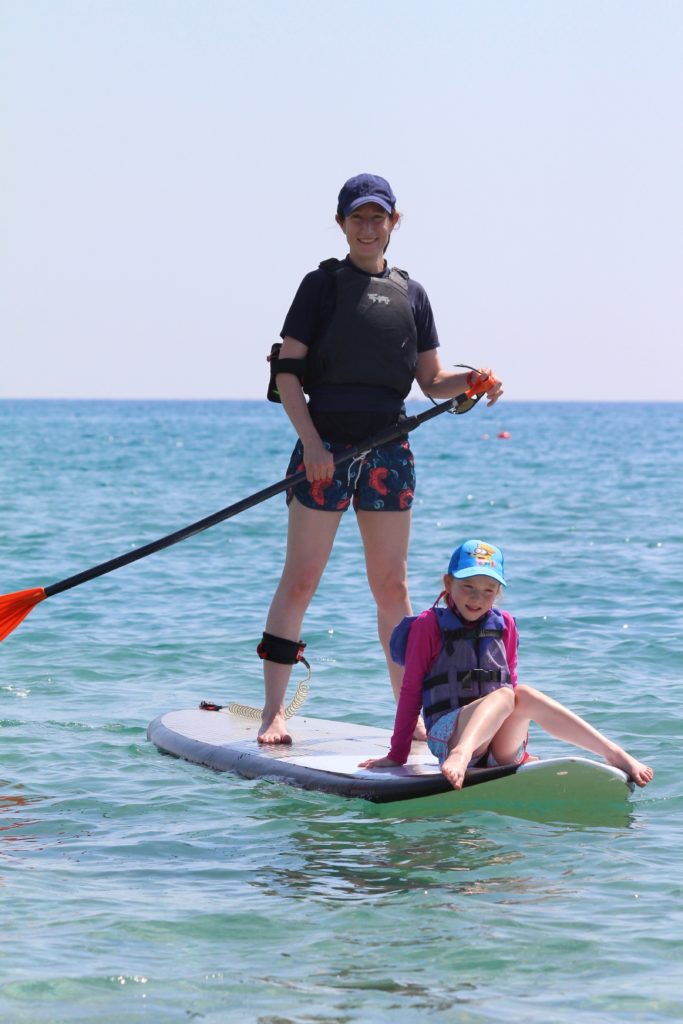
385, 541
310, 538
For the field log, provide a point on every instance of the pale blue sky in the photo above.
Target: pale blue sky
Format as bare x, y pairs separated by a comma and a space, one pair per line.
170, 171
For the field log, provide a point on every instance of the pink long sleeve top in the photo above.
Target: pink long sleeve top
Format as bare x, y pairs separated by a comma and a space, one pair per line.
424, 645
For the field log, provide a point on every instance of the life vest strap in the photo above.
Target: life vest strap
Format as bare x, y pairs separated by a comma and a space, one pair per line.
470, 633
450, 636
482, 675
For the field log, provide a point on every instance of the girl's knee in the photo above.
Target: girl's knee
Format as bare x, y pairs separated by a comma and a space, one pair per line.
528, 699
506, 696
521, 696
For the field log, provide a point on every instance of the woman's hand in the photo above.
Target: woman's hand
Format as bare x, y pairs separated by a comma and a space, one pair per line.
438, 383
378, 762
476, 379
318, 461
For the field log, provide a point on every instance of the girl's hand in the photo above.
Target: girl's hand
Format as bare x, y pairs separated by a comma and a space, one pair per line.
318, 461
378, 762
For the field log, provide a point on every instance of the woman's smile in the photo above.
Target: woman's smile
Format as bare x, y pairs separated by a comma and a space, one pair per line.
368, 230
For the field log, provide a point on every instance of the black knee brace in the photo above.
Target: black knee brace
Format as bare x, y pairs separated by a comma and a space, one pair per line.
284, 652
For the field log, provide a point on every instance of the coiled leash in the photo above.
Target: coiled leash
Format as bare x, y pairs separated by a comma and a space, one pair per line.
284, 652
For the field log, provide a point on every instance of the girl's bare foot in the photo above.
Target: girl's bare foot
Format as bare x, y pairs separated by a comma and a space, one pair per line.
420, 734
638, 772
455, 766
274, 730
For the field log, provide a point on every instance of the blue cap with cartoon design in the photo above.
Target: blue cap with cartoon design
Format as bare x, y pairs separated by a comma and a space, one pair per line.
477, 558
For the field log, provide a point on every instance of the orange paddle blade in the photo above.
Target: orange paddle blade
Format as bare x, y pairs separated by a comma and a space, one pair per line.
15, 607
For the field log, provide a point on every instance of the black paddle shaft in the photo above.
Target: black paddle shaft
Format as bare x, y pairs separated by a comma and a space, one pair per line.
382, 437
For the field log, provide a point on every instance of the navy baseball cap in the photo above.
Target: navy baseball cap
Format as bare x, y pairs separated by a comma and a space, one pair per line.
365, 188
477, 558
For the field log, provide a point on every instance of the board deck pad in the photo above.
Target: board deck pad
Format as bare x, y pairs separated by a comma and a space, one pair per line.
324, 756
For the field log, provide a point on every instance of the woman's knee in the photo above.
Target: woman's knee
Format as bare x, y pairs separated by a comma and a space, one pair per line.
391, 589
298, 588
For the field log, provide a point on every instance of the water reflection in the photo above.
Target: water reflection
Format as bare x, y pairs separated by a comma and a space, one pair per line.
344, 851
360, 859
9, 834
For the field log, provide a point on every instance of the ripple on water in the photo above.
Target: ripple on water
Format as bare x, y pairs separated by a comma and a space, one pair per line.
140, 887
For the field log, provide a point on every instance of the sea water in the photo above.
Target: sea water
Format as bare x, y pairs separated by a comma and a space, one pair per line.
136, 887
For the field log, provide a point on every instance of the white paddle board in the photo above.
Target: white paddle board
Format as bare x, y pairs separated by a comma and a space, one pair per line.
324, 756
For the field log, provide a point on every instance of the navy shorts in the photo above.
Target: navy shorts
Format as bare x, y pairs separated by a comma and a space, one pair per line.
381, 481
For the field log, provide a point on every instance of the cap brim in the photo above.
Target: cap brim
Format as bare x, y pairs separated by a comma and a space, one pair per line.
364, 200
480, 570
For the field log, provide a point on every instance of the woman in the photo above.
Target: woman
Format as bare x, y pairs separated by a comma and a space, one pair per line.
356, 337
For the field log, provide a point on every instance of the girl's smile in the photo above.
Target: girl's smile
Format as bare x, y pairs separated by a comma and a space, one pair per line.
473, 596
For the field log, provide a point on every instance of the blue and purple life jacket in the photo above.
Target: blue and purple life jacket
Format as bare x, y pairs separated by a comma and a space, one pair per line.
471, 664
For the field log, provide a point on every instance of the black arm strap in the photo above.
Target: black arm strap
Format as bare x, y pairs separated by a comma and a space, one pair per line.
295, 366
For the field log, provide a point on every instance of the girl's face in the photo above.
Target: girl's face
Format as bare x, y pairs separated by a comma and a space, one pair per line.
367, 231
473, 596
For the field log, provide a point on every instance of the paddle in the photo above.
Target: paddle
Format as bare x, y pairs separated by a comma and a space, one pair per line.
15, 607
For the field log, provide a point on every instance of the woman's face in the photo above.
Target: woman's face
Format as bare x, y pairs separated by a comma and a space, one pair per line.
367, 230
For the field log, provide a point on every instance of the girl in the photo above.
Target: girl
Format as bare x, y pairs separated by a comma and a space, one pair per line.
461, 670
356, 337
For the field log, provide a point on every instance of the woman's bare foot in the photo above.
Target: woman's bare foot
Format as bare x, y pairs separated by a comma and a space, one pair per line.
638, 772
455, 766
274, 730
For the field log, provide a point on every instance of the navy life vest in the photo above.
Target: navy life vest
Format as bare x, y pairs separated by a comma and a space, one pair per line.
472, 661
371, 338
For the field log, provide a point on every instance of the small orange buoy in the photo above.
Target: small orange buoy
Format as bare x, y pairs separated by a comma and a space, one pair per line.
504, 434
